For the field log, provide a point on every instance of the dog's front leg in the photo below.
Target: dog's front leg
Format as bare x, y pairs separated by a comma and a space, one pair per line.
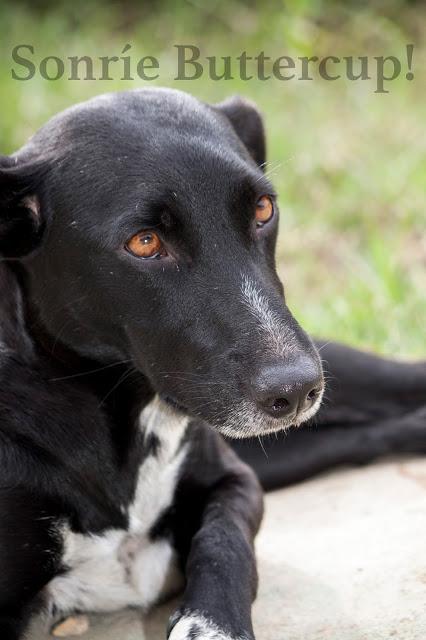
221, 576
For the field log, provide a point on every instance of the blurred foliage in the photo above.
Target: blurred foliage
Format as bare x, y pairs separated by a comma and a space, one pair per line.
350, 164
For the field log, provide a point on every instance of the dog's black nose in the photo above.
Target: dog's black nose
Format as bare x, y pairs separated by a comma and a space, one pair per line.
287, 390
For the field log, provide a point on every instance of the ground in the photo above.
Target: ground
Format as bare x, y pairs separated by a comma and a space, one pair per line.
341, 557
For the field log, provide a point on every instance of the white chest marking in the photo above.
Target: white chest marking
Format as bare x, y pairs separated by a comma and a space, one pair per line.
122, 568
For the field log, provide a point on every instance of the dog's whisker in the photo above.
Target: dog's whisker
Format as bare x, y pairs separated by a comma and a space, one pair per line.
91, 371
120, 381
261, 444
59, 334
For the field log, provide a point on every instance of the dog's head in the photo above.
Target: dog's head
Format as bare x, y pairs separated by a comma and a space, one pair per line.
147, 228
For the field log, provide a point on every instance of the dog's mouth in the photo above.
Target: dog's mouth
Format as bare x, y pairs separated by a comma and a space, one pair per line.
244, 420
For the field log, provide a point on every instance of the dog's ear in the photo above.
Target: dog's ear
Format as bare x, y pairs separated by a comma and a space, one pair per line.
248, 125
21, 221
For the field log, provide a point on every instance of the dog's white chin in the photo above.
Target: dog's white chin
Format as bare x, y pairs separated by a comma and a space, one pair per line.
246, 422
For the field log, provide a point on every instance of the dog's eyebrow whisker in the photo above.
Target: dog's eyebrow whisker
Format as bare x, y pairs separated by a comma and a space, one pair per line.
270, 166
270, 171
90, 371
273, 167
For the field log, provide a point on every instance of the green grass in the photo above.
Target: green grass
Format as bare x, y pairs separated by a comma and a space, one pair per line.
349, 164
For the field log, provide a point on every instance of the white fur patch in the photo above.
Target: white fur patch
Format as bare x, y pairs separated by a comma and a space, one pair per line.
122, 568
158, 474
196, 627
274, 331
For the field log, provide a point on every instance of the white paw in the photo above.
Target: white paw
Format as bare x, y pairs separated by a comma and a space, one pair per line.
193, 626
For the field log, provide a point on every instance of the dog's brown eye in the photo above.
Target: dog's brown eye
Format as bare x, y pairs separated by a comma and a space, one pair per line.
264, 210
146, 244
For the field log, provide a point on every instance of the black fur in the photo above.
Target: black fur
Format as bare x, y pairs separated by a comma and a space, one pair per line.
89, 334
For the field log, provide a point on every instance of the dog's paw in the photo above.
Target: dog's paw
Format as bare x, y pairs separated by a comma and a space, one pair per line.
194, 626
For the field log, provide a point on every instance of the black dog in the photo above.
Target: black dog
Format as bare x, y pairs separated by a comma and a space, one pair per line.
139, 304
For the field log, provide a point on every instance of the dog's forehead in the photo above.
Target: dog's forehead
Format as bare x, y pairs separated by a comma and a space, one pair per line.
142, 142
138, 119
145, 133
123, 156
